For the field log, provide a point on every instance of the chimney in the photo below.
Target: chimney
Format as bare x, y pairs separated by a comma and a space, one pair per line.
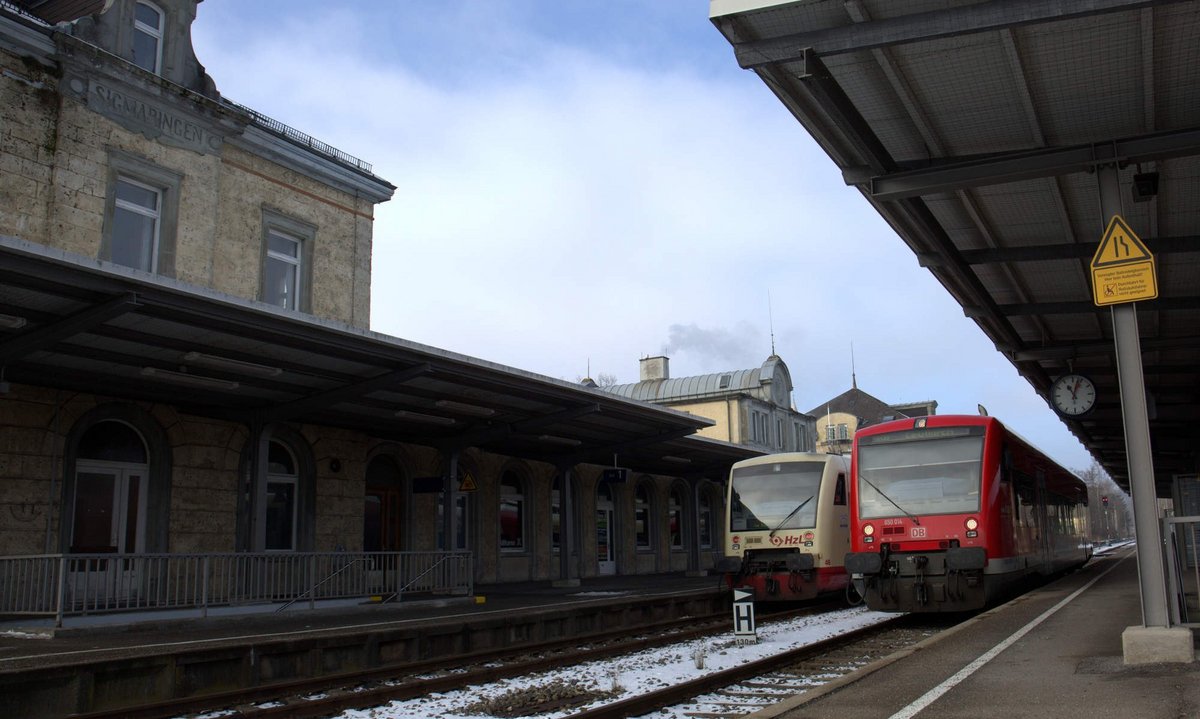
655, 368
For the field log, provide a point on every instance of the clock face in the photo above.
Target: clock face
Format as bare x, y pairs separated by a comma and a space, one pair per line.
1073, 395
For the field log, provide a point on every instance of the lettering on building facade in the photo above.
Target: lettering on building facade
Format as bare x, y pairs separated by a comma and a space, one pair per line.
152, 119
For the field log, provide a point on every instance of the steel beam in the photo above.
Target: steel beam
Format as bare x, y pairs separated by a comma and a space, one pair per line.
926, 26
999, 169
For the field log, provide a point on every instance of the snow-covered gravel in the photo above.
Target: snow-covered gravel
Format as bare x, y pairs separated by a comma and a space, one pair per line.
639, 673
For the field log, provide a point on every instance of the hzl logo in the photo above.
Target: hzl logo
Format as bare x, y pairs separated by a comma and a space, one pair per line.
793, 540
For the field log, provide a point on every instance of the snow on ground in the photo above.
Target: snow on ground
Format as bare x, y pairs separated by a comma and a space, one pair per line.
642, 672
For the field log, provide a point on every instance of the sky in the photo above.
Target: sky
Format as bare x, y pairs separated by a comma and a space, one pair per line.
581, 184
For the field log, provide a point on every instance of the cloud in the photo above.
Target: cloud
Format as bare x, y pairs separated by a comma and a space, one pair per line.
568, 197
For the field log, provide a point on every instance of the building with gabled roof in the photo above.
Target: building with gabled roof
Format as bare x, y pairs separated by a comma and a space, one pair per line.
751, 407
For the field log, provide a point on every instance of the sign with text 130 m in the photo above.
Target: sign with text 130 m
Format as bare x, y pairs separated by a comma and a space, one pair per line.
1122, 268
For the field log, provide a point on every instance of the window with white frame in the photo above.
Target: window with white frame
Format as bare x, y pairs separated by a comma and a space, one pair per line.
675, 517
843, 431
281, 285
135, 225
512, 513
140, 214
286, 258
641, 517
706, 520
148, 22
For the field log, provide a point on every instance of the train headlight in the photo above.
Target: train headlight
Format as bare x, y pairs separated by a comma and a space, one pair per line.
972, 524
868, 529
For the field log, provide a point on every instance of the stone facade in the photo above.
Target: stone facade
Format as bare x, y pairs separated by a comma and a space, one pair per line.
71, 124
74, 117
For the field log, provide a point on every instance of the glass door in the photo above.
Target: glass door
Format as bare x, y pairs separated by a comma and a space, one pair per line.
109, 518
606, 561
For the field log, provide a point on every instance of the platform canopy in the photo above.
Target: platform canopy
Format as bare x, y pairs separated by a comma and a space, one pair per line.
79, 325
974, 129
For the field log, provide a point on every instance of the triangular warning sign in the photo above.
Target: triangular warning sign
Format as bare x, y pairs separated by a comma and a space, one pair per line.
467, 483
1120, 245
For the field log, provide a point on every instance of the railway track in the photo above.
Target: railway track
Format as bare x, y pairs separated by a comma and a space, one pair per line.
330, 695
751, 687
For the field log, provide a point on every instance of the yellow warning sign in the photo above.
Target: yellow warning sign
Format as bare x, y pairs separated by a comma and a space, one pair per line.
467, 483
1122, 268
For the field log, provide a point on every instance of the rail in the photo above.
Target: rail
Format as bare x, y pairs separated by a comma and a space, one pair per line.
60, 585
1182, 538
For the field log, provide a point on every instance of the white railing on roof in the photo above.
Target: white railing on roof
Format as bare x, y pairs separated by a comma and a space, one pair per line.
59, 585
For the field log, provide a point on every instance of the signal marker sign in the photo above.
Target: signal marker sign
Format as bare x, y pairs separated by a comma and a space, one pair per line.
743, 617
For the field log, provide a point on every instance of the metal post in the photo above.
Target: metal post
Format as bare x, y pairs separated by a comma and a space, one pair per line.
1137, 432
204, 591
449, 486
62, 590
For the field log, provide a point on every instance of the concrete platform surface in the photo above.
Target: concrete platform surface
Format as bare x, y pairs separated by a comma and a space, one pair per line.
1055, 652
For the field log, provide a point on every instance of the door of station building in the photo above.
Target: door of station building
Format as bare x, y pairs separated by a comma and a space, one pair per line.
606, 557
109, 517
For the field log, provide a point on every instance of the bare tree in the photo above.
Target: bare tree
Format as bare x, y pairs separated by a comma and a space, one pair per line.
1110, 509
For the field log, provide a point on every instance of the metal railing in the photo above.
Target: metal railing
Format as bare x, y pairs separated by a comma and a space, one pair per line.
1182, 538
61, 585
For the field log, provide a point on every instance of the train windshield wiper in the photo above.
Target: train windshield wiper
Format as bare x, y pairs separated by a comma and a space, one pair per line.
791, 514
907, 513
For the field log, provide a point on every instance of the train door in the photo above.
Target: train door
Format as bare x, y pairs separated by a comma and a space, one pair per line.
1042, 521
606, 558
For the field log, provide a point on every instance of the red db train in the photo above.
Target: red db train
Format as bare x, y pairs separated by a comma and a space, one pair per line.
949, 513
787, 526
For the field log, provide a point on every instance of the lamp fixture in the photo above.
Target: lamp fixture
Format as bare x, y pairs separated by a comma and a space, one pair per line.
233, 365
193, 380
1145, 186
676, 460
425, 418
554, 439
12, 322
465, 408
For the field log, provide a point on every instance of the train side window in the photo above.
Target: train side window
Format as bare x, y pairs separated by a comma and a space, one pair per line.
839, 491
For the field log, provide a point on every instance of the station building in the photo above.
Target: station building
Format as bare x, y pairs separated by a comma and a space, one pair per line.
751, 407
187, 373
838, 418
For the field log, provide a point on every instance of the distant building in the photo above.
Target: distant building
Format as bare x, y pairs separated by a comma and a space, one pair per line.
751, 407
839, 418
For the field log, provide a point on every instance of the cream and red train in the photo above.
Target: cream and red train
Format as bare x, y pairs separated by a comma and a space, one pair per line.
787, 526
949, 513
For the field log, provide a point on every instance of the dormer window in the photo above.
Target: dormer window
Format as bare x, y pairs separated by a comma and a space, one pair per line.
147, 37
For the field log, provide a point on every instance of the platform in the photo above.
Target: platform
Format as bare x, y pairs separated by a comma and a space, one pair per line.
1054, 652
118, 660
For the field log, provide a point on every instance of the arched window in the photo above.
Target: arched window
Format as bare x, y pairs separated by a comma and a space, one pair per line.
282, 482
675, 506
147, 37
642, 517
512, 513
111, 487
277, 502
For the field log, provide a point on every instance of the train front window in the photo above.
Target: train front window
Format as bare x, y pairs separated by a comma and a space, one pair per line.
775, 496
918, 475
